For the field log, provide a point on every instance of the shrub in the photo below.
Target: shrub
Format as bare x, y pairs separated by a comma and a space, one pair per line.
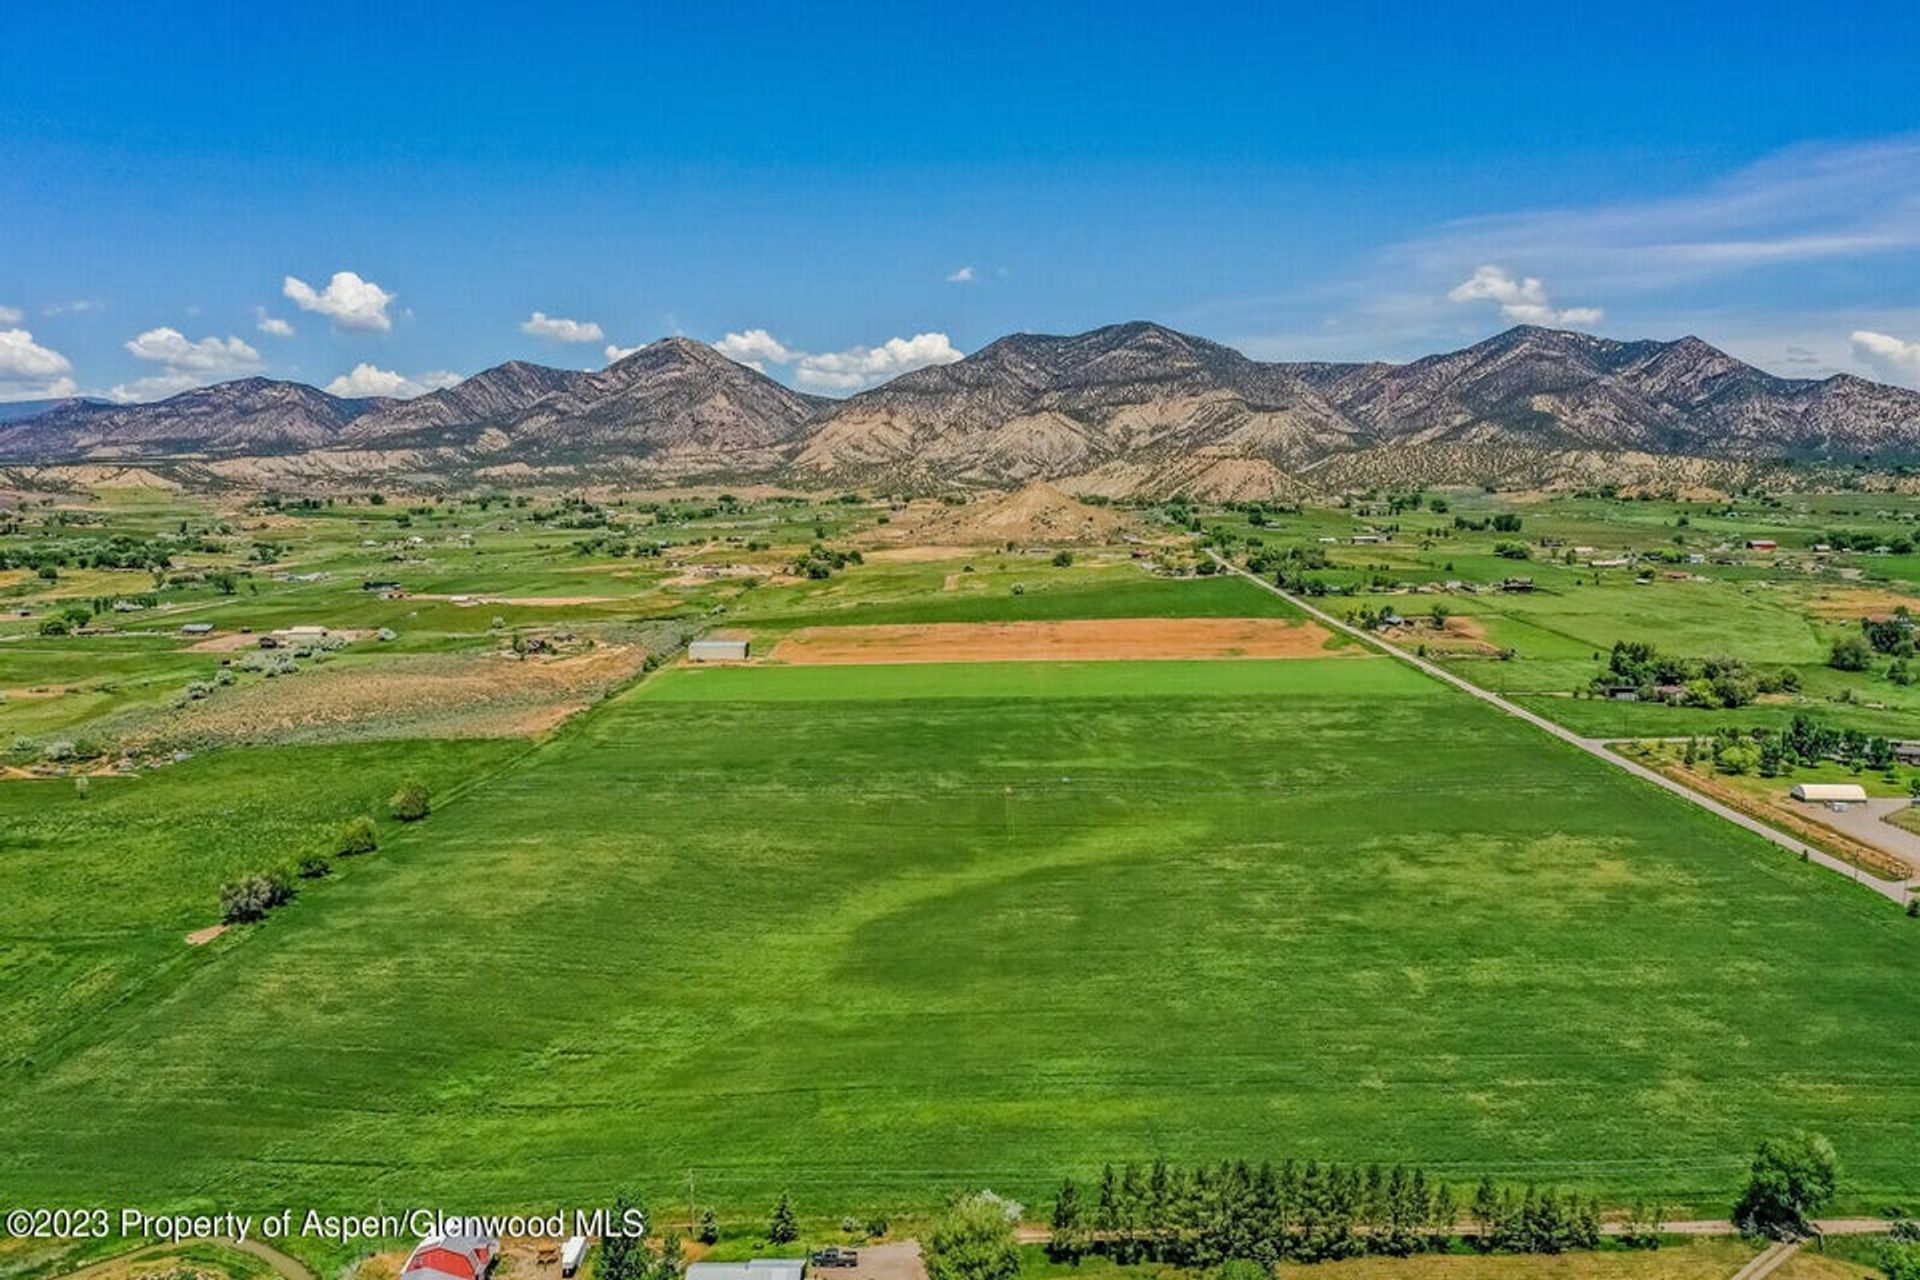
314, 867
251, 897
1062, 559
358, 836
974, 1241
709, 1232
1790, 1178
410, 803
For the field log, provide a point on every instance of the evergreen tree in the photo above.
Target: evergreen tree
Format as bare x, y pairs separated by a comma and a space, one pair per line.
1106, 1216
783, 1228
1067, 1242
1443, 1218
1486, 1215
624, 1257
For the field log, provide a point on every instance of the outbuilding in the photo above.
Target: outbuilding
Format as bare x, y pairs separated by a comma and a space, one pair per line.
196, 629
465, 1252
572, 1254
717, 650
758, 1269
1836, 793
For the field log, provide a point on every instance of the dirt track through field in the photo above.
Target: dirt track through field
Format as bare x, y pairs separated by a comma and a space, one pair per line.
1076, 640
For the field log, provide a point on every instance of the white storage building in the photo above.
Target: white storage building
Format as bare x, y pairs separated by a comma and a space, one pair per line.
1830, 792
717, 650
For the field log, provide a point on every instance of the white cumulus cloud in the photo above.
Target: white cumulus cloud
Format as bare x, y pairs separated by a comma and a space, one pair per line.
29, 371
1522, 300
964, 275
210, 355
273, 326
366, 380
861, 366
184, 363
755, 347
847, 370
1897, 358
615, 354
356, 305
542, 325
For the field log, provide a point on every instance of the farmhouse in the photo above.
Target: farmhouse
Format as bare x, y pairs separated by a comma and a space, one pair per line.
1517, 584
1907, 752
1833, 793
717, 650
758, 1269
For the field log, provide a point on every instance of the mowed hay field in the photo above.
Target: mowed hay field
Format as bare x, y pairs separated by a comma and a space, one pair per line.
875, 933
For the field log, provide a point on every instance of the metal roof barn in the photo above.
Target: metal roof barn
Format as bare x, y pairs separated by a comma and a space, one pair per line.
717, 651
1830, 792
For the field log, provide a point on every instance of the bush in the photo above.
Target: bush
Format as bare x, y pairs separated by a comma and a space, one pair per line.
709, 1232
410, 803
1062, 559
974, 1241
251, 897
1850, 653
1790, 1179
359, 836
314, 867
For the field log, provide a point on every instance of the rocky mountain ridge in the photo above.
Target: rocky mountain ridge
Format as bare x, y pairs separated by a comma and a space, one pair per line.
1127, 409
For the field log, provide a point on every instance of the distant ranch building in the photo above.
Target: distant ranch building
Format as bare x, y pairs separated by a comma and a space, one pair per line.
717, 650
1833, 793
758, 1269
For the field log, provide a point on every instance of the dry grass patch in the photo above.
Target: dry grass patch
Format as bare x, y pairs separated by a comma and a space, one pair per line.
1073, 640
455, 696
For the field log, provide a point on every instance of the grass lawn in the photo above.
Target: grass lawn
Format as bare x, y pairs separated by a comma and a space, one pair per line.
766, 926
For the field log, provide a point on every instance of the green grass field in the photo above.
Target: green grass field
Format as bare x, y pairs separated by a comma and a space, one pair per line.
996, 925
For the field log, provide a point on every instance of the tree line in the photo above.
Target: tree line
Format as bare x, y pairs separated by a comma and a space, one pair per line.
1312, 1212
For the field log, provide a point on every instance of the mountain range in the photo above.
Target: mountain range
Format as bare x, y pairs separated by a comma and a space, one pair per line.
1127, 409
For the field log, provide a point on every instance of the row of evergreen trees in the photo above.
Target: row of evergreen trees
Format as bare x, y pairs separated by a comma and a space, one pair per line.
1315, 1212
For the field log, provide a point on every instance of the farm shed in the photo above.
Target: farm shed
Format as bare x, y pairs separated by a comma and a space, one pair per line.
1907, 752
1762, 544
758, 1269
454, 1256
572, 1254
718, 650
1830, 792
196, 629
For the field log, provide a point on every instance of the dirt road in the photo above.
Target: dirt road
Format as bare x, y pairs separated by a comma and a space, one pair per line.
1894, 890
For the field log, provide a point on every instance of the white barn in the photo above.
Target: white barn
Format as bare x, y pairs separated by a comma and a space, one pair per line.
758, 1269
717, 650
1830, 792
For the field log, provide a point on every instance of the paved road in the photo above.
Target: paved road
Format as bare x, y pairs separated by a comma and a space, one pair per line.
1893, 889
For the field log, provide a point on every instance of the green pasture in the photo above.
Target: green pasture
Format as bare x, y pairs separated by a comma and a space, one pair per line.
761, 925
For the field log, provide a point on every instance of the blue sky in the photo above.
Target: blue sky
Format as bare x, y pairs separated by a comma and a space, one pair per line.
416, 191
